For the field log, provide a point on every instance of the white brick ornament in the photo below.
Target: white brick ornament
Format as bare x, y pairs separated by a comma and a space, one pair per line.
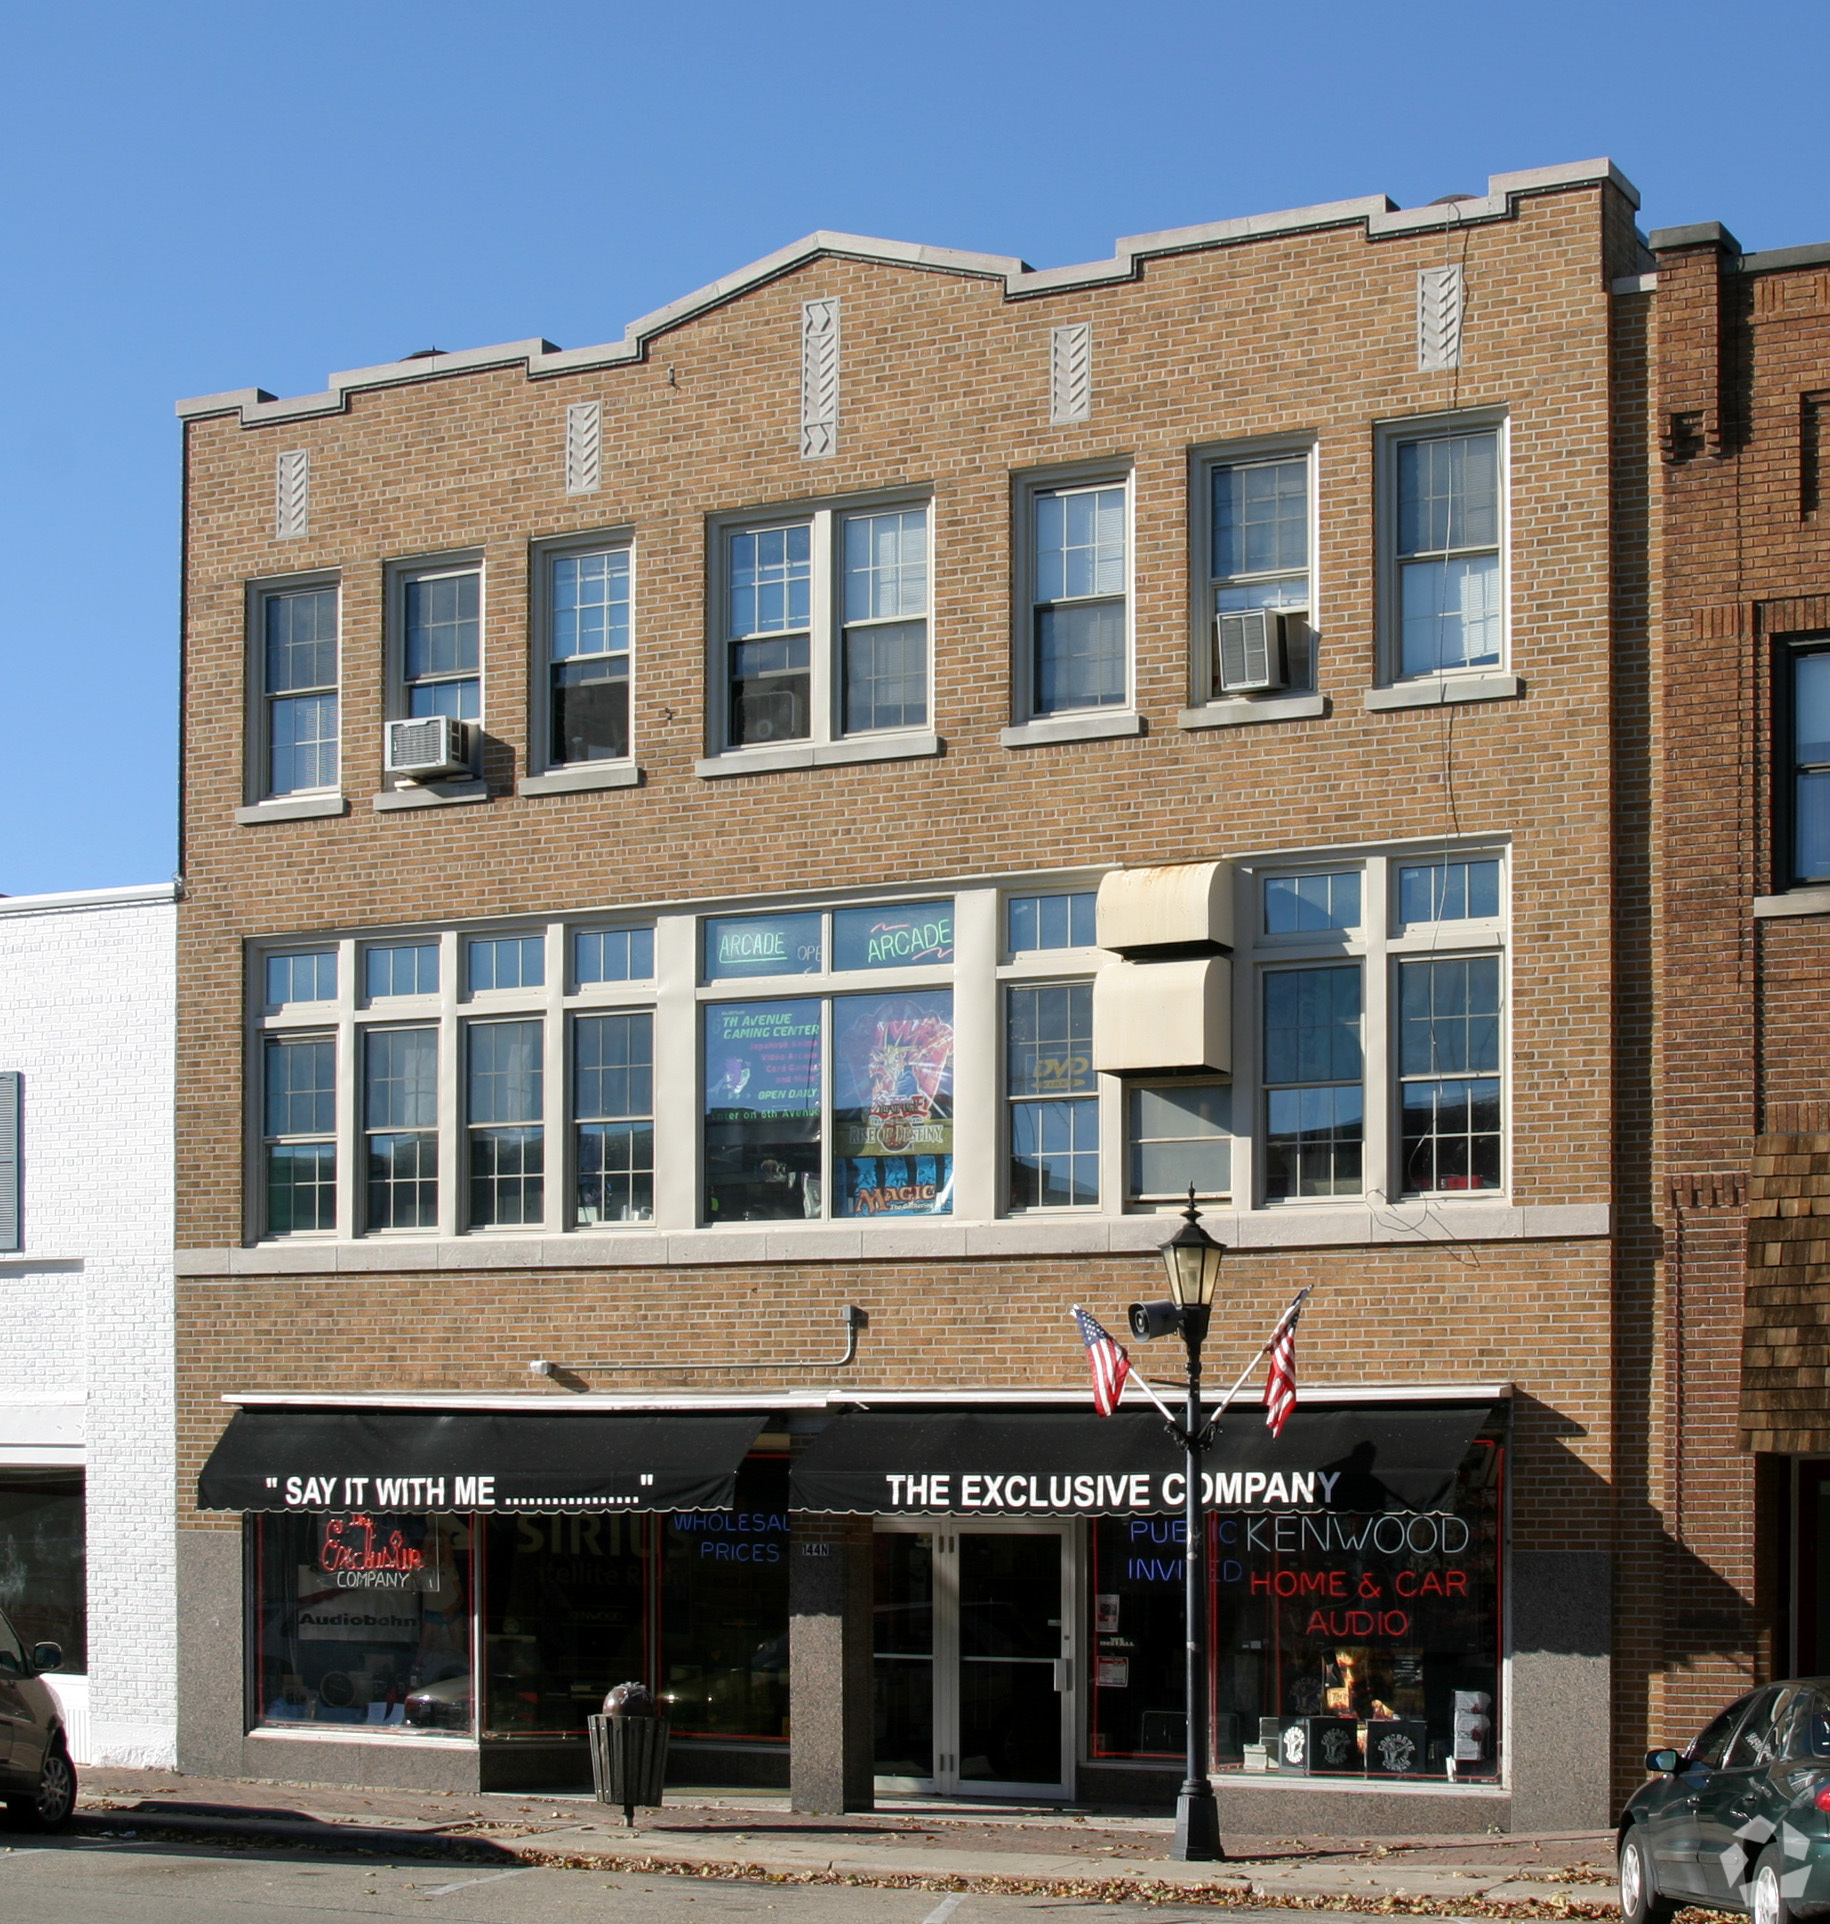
1438, 319
584, 447
819, 378
1070, 373
292, 494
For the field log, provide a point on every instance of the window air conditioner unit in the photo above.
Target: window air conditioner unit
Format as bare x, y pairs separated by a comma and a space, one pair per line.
1253, 652
426, 747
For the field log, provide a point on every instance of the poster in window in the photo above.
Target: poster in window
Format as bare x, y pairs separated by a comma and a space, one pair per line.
893, 1104
762, 1110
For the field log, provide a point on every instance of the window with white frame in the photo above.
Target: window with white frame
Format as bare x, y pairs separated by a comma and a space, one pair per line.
1445, 552
299, 1133
301, 975
1260, 598
441, 642
504, 1109
587, 622
400, 968
1077, 651
1178, 1134
400, 1127
1057, 921
298, 676
1379, 1007
1052, 1095
825, 624
613, 1117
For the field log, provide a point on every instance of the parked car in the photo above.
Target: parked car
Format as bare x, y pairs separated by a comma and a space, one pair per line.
36, 1778
1739, 1820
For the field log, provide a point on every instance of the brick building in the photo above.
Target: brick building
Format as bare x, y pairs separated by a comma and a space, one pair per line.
1742, 375
86, 1416
662, 834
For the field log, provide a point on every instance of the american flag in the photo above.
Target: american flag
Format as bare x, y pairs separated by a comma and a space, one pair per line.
1280, 1379
1106, 1359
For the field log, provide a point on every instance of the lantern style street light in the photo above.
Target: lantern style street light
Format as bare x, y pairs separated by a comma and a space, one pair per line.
1192, 1258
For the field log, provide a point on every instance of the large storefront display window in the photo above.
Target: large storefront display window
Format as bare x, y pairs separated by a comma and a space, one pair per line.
1363, 1638
42, 1562
365, 1618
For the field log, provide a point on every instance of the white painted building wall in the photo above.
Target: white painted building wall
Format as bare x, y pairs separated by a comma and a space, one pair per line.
87, 1004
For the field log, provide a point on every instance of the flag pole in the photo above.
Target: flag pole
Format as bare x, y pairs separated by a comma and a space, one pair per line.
1258, 1357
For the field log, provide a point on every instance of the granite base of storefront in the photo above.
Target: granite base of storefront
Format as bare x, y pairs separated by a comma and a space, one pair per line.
1276, 1806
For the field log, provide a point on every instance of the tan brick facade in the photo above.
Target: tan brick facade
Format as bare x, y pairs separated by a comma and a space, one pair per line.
945, 385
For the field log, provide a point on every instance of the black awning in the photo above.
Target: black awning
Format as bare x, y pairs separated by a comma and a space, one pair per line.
347, 1459
1024, 1463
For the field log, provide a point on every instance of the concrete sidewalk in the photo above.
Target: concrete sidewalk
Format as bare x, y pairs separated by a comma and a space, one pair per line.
1014, 1848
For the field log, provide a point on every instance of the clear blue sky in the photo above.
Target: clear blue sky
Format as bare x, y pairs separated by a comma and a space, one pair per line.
207, 196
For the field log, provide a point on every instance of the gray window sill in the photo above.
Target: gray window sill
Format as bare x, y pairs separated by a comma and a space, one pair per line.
861, 748
292, 808
433, 794
1438, 691
1237, 712
1811, 901
568, 781
1088, 725
646, 1245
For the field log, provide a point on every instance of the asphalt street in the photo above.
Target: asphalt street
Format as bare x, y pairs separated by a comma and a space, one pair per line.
110, 1881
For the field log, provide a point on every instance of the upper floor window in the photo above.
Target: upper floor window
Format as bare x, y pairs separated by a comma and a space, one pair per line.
308, 975
299, 1132
1052, 1095
299, 688
613, 955
1065, 921
1258, 567
1079, 592
825, 625
1446, 603
442, 642
1810, 760
406, 968
587, 619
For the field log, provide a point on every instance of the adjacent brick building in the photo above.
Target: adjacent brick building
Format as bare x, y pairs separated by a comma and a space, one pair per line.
769, 695
1742, 372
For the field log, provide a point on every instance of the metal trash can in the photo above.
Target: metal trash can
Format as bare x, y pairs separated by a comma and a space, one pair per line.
628, 1750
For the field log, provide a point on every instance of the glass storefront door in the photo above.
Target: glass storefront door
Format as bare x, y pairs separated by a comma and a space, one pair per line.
975, 1658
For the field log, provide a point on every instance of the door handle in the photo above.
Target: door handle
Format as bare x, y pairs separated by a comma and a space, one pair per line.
1061, 1673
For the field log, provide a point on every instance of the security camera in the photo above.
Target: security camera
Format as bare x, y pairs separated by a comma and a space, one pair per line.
1154, 1319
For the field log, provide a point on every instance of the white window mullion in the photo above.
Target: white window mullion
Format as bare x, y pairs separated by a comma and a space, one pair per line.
452, 1159
978, 1083
556, 1146
678, 1184
1380, 1173
824, 722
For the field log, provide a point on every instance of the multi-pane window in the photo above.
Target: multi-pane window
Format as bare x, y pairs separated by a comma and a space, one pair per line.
1052, 1096
1079, 636
1449, 1069
1447, 552
1259, 518
1178, 1133
507, 1140
1050, 921
307, 976
1311, 904
1314, 1080
1449, 891
299, 646
613, 1117
442, 644
400, 1127
588, 617
1810, 759
506, 961
886, 620
403, 968
826, 626
613, 955
299, 1131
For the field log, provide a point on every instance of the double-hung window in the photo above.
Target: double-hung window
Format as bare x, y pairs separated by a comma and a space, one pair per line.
1381, 1044
1809, 758
1079, 646
1445, 606
441, 651
613, 1116
400, 1127
1258, 560
299, 1133
1052, 1096
825, 625
507, 1137
588, 647
298, 653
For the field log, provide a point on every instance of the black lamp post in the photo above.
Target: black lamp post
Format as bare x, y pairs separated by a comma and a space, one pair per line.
1192, 1258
